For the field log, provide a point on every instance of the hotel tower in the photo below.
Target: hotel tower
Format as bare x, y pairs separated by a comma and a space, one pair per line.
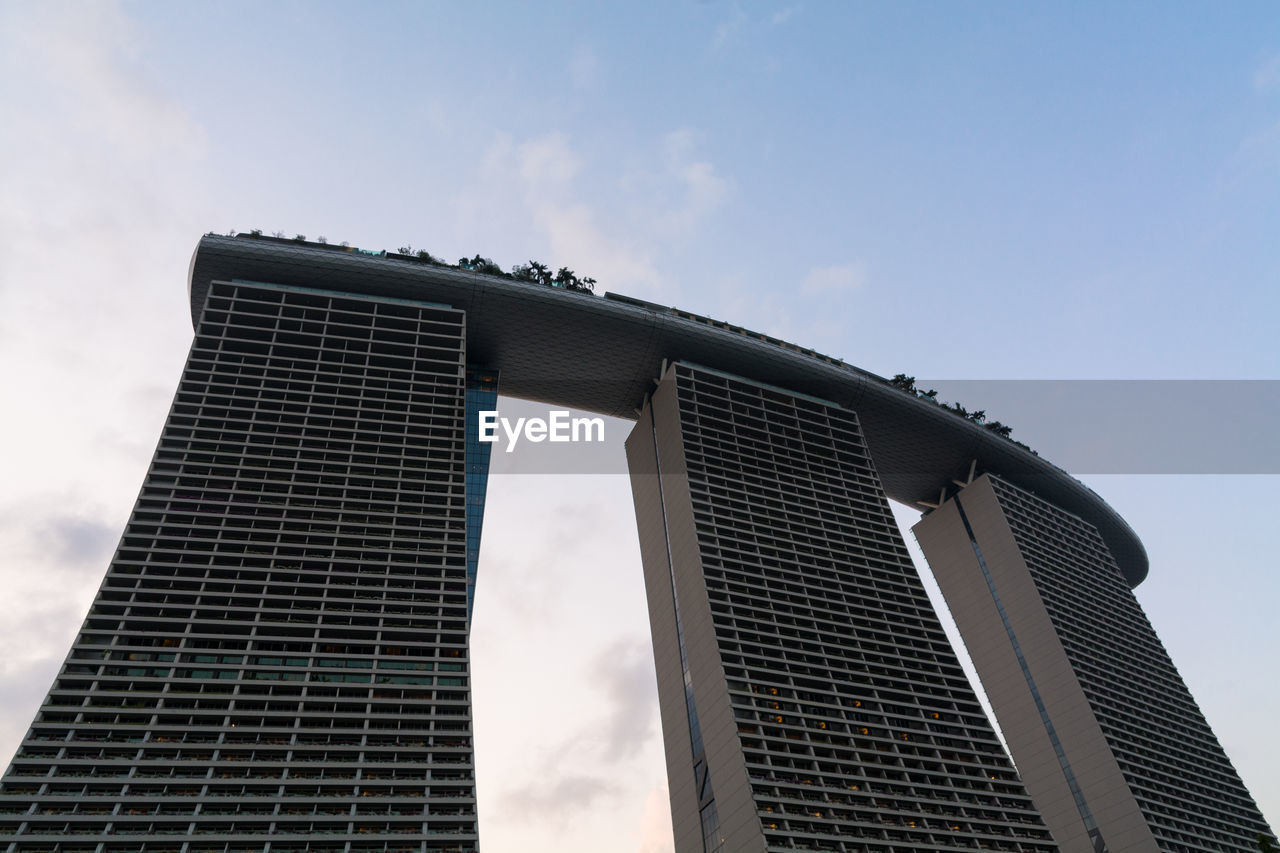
277, 659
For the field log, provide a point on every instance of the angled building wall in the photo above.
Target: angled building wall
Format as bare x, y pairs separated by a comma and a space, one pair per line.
1104, 732
809, 697
277, 658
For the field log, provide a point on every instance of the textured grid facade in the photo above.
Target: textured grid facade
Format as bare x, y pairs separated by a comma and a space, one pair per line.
810, 699
1116, 748
277, 658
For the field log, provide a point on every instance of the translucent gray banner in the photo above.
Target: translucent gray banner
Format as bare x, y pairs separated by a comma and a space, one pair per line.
1121, 426
1083, 426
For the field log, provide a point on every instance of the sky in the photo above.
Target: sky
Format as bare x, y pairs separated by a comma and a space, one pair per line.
953, 191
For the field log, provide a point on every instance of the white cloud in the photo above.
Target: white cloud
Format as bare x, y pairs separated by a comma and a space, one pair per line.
547, 164
566, 744
527, 194
729, 29
545, 198
812, 309
78, 63
698, 190
24, 684
543, 798
624, 674
783, 15
576, 235
100, 204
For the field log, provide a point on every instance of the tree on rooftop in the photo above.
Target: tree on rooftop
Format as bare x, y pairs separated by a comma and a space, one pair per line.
999, 429
539, 273
565, 278
480, 264
904, 382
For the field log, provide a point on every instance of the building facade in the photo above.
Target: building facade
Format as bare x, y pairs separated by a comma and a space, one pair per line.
278, 653
1105, 734
277, 659
809, 697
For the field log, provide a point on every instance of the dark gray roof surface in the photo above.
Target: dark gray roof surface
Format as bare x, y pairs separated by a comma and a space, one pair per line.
601, 354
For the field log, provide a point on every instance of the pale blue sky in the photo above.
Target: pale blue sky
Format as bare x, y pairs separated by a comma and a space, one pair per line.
1104, 169
956, 191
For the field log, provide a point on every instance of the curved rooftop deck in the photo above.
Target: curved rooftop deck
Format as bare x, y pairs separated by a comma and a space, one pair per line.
601, 354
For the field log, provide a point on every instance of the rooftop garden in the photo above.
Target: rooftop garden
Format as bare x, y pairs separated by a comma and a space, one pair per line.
564, 278
907, 385
532, 272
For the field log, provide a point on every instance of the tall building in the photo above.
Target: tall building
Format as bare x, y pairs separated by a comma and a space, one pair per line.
810, 699
1107, 737
277, 659
278, 652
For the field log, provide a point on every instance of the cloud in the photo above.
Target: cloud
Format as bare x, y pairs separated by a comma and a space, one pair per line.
77, 540
783, 15
739, 26
544, 798
23, 685
43, 631
546, 164
834, 279
52, 560
698, 189
100, 202
105, 156
524, 568
526, 194
88, 51
814, 309
558, 663
547, 198
672, 192
624, 673
729, 29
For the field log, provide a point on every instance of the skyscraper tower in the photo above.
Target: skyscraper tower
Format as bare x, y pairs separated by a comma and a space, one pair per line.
809, 696
1105, 734
277, 659
278, 653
